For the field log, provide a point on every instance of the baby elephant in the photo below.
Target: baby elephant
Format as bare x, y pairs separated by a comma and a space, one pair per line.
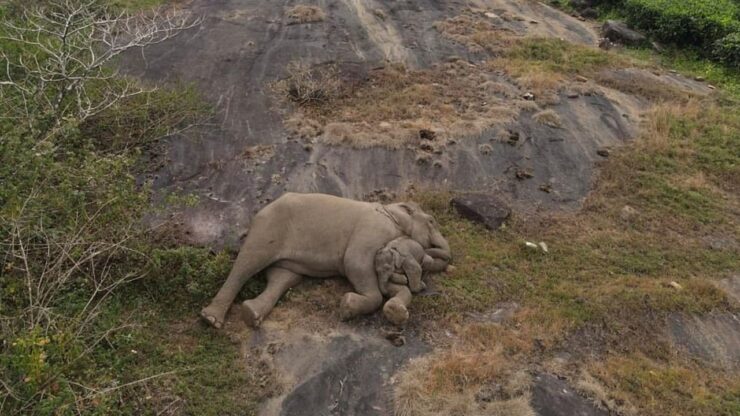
402, 262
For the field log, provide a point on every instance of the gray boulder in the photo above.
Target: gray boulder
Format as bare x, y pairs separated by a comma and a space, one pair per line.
618, 32
482, 208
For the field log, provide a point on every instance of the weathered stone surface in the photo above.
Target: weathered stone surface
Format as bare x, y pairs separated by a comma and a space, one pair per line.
483, 208
713, 338
345, 373
617, 31
554, 397
731, 286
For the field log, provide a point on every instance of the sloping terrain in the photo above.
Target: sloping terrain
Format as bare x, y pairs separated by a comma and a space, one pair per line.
252, 154
502, 96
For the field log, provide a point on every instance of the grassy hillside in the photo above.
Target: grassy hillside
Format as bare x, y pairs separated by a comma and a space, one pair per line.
98, 314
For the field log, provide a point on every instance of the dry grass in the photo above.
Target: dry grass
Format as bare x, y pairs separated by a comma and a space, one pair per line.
309, 86
645, 85
394, 105
452, 380
549, 118
476, 33
638, 385
301, 13
604, 288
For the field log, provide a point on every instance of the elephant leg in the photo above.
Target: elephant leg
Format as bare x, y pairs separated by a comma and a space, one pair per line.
278, 282
412, 270
258, 251
361, 274
399, 279
395, 309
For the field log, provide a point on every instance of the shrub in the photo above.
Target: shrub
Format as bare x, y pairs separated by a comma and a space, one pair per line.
306, 85
727, 50
687, 22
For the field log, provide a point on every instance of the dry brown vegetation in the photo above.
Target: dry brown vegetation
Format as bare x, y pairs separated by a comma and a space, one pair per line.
302, 13
395, 104
603, 291
392, 105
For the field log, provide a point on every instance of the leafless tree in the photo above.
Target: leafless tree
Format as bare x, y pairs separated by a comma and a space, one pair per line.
66, 50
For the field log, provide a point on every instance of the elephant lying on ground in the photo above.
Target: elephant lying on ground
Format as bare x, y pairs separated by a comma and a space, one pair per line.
322, 236
399, 264
401, 261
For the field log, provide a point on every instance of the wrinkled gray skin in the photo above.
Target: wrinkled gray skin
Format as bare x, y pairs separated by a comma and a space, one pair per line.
401, 261
322, 236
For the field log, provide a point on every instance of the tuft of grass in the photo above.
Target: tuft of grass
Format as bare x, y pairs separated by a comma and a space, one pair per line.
394, 105
549, 118
301, 13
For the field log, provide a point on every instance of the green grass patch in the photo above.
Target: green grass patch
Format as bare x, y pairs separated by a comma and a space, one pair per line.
561, 57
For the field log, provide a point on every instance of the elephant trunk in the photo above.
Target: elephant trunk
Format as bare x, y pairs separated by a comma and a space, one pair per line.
440, 252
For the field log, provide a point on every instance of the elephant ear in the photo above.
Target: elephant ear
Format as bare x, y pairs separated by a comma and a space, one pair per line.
409, 207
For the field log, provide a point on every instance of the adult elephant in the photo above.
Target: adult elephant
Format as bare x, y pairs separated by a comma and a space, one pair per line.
321, 236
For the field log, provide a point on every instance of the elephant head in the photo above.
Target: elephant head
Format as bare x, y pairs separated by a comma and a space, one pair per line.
423, 228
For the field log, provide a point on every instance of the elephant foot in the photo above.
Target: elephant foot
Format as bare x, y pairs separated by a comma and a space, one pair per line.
212, 317
250, 314
395, 312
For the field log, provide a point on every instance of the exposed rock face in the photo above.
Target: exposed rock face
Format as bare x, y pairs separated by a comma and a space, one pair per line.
618, 32
554, 397
483, 208
344, 373
713, 338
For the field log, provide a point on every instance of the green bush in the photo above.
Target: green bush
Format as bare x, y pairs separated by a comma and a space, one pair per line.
727, 50
686, 22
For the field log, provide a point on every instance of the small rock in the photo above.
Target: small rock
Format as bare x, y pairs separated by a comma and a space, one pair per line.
528, 96
675, 285
491, 15
603, 152
628, 213
426, 147
485, 149
711, 87
396, 338
426, 134
308, 147
698, 78
482, 208
384, 125
617, 31
423, 159
531, 245
581, 78
546, 187
572, 94
523, 174
543, 246
534, 22
605, 44
438, 164
673, 71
